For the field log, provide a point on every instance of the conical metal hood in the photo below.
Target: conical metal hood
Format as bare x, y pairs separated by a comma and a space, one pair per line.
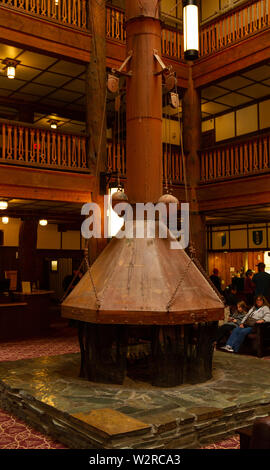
135, 280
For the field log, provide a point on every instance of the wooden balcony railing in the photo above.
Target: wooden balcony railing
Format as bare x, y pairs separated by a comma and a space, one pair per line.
21, 145
171, 43
115, 19
223, 31
234, 26
68, 12
172, 162
236, 159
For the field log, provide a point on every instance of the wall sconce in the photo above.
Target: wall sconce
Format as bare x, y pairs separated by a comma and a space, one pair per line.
43, 222
3, 205
191, 29
5, 220
10, 67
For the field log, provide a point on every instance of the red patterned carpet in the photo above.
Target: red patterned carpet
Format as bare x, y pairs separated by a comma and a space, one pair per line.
14, 434
230, 443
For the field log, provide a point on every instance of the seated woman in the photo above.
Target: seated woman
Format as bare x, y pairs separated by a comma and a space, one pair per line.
260, 313
235, 319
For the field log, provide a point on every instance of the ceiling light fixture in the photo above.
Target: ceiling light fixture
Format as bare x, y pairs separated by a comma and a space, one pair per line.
43, 222
53, 124
3, 205
191, 29
10, 67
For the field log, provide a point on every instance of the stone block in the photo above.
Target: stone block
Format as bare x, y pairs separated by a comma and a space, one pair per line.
205, 413
111, 423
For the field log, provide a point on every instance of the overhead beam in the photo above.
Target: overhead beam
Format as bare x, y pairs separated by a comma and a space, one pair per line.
37, 34
249, 191
43, 108
239, 56
47, 185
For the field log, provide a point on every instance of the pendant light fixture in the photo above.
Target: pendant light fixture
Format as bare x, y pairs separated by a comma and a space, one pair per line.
10, 67
191, 29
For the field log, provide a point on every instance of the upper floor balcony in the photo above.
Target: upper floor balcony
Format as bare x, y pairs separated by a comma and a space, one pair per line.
24, 145
28, 146
236, 159
70, 13
230, 28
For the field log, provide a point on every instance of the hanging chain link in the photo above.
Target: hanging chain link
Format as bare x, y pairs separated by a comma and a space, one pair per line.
68, 290
91, 277
192, 249
173, 297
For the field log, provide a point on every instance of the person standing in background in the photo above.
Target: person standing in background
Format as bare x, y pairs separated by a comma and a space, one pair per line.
262, 281
249, 287
216, 279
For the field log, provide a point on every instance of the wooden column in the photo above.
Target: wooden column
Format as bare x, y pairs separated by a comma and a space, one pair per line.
96, 86
144, 102
27, 250
192, 144
96, 107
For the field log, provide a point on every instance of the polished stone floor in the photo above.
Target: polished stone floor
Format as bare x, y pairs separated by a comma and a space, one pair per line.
180, 416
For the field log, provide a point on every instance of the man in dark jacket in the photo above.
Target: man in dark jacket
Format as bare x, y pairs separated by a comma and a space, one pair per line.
262, 281
216, 279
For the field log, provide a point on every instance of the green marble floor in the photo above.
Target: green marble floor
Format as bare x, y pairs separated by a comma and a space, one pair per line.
238, 383
54, 381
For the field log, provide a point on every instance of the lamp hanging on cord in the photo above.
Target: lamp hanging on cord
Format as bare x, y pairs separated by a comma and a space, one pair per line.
191, 29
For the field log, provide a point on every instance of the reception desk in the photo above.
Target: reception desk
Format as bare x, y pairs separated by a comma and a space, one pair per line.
28, 315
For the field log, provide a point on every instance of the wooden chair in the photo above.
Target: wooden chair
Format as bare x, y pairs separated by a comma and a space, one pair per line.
258, 341
256, 436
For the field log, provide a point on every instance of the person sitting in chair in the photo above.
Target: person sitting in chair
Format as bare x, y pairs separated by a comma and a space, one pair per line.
235, 319
259, 313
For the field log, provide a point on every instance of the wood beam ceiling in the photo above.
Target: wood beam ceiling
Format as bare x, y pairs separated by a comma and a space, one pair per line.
246, 53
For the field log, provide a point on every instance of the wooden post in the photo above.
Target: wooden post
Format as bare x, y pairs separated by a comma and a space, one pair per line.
192, 144
96, 107
144, 102
96, 87
27, 250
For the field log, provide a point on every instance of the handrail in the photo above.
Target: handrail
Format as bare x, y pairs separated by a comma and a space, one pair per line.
219, 33
172, 162
234, 25
67, 12
236, 159
32, 146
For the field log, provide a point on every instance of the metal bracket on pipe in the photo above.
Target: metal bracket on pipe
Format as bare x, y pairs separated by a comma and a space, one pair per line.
165, 68
120, 70
167, 72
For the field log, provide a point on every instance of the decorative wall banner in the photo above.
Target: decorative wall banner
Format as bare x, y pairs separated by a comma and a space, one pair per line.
223, 239
257, 236
239, 237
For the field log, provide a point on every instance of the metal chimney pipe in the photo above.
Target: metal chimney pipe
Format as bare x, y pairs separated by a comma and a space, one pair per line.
144, 102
